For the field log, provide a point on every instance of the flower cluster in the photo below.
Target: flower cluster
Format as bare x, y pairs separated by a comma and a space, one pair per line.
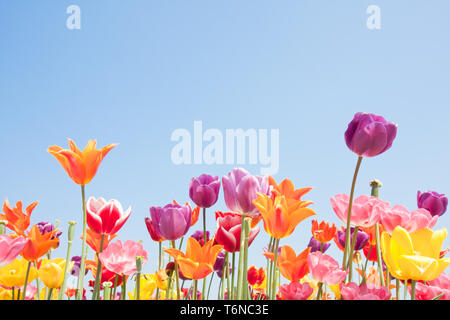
402, 245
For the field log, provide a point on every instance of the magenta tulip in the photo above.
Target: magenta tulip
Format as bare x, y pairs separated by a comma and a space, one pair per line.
172, 221
204, 190
240, 189
434, 202
369, 135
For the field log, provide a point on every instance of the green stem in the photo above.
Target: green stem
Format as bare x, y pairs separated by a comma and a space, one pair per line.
319, 291
194, 291
380, 264
116, 280
397, 288
98, 273
70, 235
245, 263
12, 289
123, 293
231, 296
79, 295
349, 215
222, 281
50, 294
241, 260
352, 250
275, 267
228, 275
204, 226
365, 265
413, 289
26, 281
177, 275
37, 283
269, 269
209, 287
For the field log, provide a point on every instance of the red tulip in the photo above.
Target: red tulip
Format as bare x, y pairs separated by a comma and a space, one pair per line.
105, 217
228, 231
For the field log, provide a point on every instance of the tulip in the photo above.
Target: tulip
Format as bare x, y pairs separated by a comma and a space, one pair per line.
281, 216
228, 231
94, 240
18, 221
414, 256
286, 188
151, 230
325, 269
366, 210
296, 291
75, 270
172, 221
81, 166
15, 273
106, 217
292, 266
204, 190
200, 237
240, 189
410, 221
369, 135
323, 232
39, 244
361, 239
147, 285
219, 265
10, 248
51, 272
318, 246
365, 291
198, 261
434, 202
120, 257
256, 278
434, 288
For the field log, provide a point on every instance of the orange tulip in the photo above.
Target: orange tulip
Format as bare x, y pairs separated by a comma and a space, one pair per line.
93, 239
291, 266
280, 215
286, 188
81, 166
198, 262
18, 221
323, 232
39, 244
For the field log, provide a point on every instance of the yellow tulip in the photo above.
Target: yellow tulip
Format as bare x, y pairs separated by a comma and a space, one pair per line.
336, 290
147, 287
161, 279
414, 256
44, 294
51, 272
13, 275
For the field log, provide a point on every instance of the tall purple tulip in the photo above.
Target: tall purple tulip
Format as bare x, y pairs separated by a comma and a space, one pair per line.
316, 245
240, 188
204, 190
432, 201
369, 135
172, 221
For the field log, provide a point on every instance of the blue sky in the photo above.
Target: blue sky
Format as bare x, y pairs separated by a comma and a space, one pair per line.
136, 72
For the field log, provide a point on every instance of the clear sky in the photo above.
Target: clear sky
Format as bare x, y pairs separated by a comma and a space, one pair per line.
138, 70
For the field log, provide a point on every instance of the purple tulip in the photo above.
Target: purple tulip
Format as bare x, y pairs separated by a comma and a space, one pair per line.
75, 271
361, 238
369, 135
172, 221
432, 201
240, 188
219, 264
315, 245
198, 235
204, 190
46, 227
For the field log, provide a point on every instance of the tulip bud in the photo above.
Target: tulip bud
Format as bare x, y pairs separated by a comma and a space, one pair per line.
3, 224
71, 232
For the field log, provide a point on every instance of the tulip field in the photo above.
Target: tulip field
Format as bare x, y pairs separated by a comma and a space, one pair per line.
386, 252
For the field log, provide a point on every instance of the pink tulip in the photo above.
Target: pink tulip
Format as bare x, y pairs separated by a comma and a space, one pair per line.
121, 257
296, 291
10, 248
325, 269
365, 291
365, 210
434, 288
105, 217
411, 221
